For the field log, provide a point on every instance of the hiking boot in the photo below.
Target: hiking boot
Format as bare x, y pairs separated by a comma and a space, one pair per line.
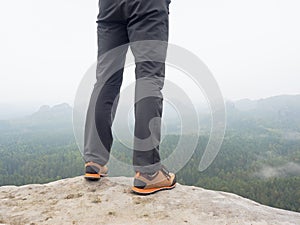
94, 171
145, 184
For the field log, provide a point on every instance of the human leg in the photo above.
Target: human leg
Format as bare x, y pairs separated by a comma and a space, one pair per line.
112, 33
148, 21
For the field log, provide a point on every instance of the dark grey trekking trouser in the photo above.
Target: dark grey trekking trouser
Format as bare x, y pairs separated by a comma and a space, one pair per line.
122, 22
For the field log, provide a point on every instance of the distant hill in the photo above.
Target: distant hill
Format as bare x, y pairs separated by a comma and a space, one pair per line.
58, 117
278, 112
276, 104
61, 113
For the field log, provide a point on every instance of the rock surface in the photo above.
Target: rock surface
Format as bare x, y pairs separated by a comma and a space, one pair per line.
76, 201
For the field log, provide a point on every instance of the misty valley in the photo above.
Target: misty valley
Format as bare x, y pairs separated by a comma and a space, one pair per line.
259, 158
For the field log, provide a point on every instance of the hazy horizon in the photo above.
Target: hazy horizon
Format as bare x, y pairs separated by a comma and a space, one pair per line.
71, 103
15, 110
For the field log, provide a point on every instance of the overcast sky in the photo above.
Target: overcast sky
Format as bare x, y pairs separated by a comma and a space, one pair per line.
251, 46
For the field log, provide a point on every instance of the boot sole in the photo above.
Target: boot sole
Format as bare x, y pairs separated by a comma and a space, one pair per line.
149, 191
94, 176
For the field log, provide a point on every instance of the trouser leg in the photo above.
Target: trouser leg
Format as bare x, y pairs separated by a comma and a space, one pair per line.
149, 80
112, 32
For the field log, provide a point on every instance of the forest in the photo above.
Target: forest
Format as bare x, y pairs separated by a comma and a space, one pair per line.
261, 168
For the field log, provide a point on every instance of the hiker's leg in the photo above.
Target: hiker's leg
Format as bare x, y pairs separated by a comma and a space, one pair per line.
112, 32
148, 21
